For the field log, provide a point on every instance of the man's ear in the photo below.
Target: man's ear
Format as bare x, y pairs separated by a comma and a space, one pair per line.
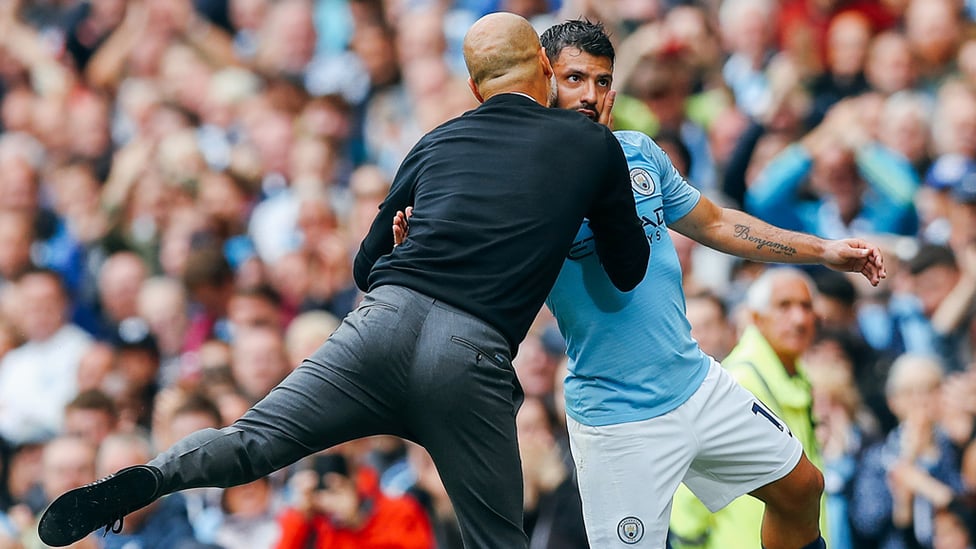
754, 317
546, 65
895, 405
474, 90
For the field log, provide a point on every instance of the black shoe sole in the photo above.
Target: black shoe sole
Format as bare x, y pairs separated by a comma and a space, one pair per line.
81, 511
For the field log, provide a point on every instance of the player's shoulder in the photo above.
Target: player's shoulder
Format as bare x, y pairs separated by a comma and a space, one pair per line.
640, 146
639, 141
635, 138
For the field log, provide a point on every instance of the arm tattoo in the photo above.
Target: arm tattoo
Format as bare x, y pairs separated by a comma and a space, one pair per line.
779, 248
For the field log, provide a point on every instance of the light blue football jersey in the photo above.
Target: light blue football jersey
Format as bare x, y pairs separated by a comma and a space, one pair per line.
631, 354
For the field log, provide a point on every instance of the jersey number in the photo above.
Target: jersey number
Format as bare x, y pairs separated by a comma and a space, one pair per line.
760, 411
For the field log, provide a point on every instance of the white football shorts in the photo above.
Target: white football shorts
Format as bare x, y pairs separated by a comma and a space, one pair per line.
723, 443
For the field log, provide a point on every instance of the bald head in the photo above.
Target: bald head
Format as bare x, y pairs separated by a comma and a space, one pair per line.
503, 54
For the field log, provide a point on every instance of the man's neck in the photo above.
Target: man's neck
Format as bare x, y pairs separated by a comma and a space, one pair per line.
789, 364
513, 92
523, 94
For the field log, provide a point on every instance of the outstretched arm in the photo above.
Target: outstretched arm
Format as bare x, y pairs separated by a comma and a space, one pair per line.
738, 233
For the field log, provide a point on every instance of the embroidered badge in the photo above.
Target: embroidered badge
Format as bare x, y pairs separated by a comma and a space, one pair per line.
630, 530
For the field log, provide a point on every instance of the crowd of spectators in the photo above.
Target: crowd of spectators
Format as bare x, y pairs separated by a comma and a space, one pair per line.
183, 185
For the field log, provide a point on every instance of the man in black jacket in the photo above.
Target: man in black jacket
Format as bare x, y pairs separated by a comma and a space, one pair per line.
498, 195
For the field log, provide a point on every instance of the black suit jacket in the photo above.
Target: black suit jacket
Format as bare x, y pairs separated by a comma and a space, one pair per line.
498, 195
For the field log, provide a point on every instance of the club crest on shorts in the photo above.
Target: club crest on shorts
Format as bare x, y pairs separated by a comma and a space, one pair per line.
642, 182
630, 530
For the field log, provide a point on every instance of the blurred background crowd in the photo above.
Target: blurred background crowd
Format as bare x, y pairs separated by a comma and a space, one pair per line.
183, 184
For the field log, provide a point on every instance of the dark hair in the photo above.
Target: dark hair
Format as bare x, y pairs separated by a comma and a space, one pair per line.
262, 291
582, 34
134, 334
932, 255
837, 286
710, 295
848, 344
198, 403
678, 147
207, 266
93, 399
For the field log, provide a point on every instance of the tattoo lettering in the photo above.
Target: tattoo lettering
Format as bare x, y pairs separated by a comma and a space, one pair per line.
742, 231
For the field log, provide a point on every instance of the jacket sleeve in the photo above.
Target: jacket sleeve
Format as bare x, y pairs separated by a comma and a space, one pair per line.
617, 231
890, 174
893, 183
734, 178
871, 505
295, 529
773, 196
398, 523
379, 240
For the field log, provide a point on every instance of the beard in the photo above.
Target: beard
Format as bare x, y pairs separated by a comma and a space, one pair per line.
553, 92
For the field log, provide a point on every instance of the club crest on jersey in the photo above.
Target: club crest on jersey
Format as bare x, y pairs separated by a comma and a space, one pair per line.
642, 182
630, 530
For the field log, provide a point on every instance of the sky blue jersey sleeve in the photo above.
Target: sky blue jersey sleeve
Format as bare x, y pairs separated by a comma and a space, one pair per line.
649, 167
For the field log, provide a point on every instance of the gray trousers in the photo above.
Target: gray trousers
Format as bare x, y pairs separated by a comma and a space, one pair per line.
401, 364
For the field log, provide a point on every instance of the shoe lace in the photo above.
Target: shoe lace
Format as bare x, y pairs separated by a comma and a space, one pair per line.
115, 527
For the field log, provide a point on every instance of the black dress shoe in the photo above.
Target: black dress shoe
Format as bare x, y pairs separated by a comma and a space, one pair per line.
101, 504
